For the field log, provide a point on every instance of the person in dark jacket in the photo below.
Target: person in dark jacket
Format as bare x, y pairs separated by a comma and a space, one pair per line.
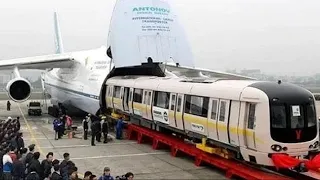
94, 130
85, 128
62, 126
33, 175
20, 141
23, 153
8, 105
74, 173
13, 141
18, 123
106, 174
35, 164
56, 174
64, 166
18, 169
105, 130
98, 135
57, 124
87, 175
46, 166
30, 154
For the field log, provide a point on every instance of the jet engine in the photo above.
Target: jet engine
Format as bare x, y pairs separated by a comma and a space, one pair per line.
19, 89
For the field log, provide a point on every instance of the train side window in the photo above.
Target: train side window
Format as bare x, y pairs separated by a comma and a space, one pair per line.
173, 102
196, 105
161, 99
251, 116
179, 104
117, 90
214, 109
222, 113
137, 95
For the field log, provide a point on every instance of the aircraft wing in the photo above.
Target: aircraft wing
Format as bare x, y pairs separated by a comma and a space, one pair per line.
196, 72
39, 62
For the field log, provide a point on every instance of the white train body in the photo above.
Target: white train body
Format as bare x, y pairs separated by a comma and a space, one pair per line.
254, 118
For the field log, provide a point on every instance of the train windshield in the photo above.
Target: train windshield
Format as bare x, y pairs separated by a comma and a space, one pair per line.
287, 120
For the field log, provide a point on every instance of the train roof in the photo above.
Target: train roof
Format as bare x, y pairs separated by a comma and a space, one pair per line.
201, 86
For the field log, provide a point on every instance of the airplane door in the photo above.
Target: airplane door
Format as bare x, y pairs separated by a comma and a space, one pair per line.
212, 120
179, 111
222, 124
172, 107
149, 105
130, 100
250, 126
126, 99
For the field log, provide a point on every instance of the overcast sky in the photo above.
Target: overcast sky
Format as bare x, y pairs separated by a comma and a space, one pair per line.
276, 36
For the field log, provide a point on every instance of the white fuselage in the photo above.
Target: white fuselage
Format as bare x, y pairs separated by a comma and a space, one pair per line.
80, 85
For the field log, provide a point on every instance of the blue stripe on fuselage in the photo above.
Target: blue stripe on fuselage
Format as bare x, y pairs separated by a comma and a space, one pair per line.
73, 91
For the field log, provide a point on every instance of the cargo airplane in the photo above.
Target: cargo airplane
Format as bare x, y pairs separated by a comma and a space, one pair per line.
142, 35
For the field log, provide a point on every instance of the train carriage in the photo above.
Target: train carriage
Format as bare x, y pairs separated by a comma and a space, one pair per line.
252, 118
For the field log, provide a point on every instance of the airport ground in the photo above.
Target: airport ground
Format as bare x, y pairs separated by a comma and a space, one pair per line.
120, 155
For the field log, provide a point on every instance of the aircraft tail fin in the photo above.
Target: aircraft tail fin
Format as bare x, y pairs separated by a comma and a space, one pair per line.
57, 34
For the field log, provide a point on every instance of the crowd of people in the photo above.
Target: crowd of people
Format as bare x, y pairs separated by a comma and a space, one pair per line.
21, 163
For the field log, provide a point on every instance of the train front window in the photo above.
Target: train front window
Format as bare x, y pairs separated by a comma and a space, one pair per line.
278, 116
311, 115
288, 120
297, 117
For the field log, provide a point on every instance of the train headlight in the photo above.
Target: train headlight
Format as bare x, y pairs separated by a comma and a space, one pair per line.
276, 147
316, 144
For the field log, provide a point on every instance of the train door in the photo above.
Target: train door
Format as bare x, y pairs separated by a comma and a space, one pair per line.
131, 100
172, 107
146, 103
250, 126
212, 120
149, 105
222, 124
233, 122
126, 99
179, 111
